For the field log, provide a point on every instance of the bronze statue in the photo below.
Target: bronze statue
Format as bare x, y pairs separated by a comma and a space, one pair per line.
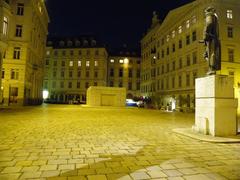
211, 41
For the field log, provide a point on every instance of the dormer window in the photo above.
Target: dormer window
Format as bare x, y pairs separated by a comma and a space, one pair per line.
69, 43
93, 43
61, 43
180, 29
85, 43
77, 43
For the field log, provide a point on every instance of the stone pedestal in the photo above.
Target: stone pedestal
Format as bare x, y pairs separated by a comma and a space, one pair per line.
106, 96
216, 108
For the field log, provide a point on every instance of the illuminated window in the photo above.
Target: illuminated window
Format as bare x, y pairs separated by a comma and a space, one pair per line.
87, 63
188, 24
194, 20
173, 34
20, 9
5, 25
168, 37
48, 53
229, 14
71, 63
126, 61
39, 7
95, 63
112, 60
180, 29
18, 31
121, 61
79, 63
16, 53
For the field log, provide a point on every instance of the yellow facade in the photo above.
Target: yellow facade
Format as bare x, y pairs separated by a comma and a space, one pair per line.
71, 66
5, 16
124, 71
22, 75
173, 56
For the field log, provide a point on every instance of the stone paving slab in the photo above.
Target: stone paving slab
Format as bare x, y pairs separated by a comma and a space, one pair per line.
65, 142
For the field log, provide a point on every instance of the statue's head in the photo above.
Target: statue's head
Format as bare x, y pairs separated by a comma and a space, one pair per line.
210, 11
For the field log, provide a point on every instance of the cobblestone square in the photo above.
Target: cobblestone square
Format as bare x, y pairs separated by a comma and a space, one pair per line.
77, 142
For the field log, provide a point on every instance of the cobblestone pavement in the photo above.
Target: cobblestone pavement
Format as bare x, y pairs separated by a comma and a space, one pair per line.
73, 142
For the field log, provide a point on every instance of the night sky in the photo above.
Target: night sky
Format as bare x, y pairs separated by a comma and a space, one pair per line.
116, 22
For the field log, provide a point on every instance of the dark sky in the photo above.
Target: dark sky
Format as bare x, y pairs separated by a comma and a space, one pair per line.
116, 22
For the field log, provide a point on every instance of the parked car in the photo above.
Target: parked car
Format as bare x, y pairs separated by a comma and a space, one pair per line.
130, 102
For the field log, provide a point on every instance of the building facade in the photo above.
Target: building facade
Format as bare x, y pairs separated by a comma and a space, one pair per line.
71, 66
5, 16
22, 69
172, 57
124, 70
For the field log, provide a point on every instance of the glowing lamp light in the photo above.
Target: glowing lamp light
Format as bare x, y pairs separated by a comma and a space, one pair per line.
1, 87
45, 94
126, 61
